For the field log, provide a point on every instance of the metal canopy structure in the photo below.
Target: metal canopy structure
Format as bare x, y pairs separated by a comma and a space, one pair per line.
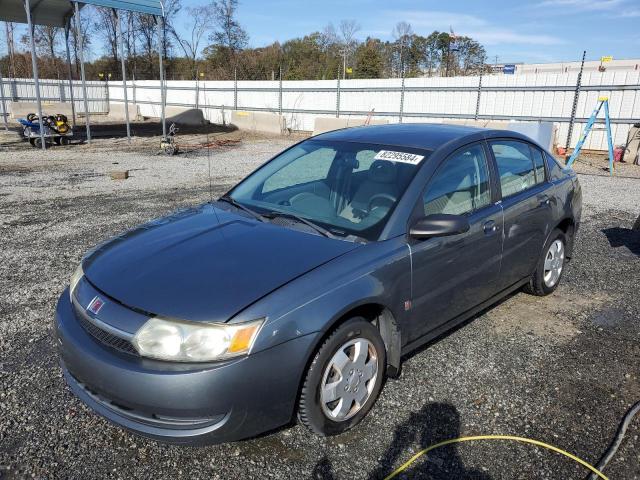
61, 13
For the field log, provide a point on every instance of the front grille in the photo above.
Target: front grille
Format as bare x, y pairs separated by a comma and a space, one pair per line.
105, 337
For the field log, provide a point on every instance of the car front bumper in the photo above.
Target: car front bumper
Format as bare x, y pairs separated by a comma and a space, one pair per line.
193, 404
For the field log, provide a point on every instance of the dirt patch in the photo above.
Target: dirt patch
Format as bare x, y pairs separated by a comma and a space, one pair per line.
555, 318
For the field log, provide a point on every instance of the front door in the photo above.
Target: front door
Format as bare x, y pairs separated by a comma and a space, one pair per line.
453, 274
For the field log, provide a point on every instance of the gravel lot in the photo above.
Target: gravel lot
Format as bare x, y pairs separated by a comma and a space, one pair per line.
561, 369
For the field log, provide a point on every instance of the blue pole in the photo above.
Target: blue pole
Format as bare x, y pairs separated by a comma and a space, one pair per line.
609, 137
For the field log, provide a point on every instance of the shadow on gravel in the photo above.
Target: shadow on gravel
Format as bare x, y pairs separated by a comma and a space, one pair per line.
435, 422
623, 237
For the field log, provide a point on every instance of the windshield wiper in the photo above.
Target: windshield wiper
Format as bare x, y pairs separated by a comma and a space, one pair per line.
317, 228
235, 203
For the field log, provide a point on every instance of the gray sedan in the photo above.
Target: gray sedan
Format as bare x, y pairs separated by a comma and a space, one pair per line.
296, 293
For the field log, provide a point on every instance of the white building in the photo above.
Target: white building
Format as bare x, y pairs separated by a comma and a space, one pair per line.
569, 67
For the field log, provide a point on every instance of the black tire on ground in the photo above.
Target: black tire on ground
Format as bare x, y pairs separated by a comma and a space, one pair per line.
537, 285
64, 141
32, 142
37, 143
58, 140
310, 410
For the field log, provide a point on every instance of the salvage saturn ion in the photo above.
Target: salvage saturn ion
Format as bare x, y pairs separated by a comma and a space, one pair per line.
298, 291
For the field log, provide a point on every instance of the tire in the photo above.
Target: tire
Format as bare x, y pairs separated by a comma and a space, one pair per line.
550, 267
57, 140
355, 394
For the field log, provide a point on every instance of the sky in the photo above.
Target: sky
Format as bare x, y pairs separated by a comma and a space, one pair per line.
516, 31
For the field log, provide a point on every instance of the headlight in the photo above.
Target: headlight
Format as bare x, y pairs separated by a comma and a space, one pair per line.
75, 278
194, 342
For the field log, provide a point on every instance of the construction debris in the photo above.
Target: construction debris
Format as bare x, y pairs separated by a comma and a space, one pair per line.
119, 174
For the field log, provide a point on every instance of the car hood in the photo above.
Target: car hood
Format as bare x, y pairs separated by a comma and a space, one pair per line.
205, 263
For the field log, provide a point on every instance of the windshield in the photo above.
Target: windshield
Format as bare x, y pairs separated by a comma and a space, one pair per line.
347, 188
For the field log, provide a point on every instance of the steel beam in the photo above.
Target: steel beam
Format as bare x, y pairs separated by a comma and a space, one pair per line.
5, 114
124, 71
84, 80
67, 28
34, 63
163, 90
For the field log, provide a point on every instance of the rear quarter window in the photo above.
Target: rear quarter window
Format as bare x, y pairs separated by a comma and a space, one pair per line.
555, 169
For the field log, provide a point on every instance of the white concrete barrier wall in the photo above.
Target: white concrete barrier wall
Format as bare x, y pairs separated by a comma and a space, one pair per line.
510, 104
263, 122
117, 112
22, 109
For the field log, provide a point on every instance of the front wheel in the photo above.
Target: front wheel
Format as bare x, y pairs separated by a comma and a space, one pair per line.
344, 378
550, 266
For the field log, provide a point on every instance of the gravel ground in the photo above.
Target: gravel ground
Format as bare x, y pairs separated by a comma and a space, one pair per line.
562, 369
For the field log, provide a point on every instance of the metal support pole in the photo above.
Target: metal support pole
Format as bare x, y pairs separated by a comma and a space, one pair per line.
575, 102
235, 88
402, 98
338, 96
67, 27
34, 63
280, 91
133, 87
80, 36
124, 72
5, 114
163, 99
609, 136
478, 98
197, 89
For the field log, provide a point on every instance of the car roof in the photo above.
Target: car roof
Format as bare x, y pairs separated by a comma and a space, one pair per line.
428, 136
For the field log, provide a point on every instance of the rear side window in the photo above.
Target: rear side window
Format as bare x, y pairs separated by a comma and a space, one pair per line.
515, 166
461, 185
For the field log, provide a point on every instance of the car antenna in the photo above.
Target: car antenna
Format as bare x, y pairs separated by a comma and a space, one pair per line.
206, 126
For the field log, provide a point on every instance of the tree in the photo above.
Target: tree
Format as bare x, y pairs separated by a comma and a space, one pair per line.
9, 29
228, 33
348, 30
106, 25
403, 34
369, 59
199, 16
145, 26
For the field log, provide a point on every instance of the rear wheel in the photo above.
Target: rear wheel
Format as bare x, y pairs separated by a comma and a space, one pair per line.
344, 378
550, 266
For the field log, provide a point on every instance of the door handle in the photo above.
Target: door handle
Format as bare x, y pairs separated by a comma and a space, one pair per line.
490, 227
544, 200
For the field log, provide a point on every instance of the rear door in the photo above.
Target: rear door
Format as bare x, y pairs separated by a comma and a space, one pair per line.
526, 201
454, 274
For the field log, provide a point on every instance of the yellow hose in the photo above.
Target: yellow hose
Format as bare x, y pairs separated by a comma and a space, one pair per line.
407, 464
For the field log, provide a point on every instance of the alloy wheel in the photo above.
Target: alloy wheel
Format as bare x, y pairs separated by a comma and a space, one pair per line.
349, 379
553, 263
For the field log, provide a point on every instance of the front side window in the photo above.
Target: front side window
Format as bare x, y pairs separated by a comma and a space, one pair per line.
515, 166
461, 185
345, 187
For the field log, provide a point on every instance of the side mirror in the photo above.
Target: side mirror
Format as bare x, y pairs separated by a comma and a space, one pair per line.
439, 225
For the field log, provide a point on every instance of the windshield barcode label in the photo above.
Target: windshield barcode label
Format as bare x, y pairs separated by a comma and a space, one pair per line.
401, 157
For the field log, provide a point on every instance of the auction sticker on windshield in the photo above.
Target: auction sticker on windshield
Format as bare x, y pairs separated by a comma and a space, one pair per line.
401, 157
